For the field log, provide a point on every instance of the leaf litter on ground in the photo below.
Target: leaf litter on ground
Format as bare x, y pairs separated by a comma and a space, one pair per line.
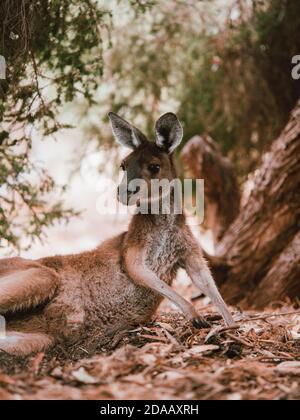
169, 359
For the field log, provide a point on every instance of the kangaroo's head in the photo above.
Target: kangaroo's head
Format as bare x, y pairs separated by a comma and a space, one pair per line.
149, 160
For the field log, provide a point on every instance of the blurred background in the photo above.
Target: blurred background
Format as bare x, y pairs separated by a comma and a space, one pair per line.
223, 66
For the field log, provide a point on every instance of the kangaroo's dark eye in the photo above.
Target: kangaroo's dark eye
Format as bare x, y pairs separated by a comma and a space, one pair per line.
154, 168
122, 166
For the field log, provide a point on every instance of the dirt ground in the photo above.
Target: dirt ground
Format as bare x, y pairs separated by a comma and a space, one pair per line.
169, 359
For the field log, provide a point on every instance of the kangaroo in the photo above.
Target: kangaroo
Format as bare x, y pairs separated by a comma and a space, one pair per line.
119, 284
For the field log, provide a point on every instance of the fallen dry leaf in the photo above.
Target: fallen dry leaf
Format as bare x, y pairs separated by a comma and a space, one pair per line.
196, 350
82, 376
292, 368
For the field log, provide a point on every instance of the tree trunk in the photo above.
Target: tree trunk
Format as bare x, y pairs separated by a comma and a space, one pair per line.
258, 259
202, 156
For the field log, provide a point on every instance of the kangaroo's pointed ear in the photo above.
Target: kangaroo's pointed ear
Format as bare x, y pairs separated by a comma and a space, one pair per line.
168, 132
125, 133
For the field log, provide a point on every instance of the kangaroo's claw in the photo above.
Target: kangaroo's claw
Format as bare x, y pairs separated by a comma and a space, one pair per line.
200, 323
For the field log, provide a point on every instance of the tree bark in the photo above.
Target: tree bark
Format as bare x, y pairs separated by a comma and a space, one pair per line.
282, 279
258, 259
202, 156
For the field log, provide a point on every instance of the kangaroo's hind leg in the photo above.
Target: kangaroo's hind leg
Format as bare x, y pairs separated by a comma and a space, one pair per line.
26, 286
22, 344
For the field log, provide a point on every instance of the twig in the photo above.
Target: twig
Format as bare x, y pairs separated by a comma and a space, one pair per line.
240, 340
220, 330
170, 337
275, 359
258, 318
153, 338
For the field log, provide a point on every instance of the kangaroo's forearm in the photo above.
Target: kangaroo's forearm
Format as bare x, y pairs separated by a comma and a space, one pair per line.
197, 269
142, 275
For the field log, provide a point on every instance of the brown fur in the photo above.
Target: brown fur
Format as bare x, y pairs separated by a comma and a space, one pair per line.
114, 287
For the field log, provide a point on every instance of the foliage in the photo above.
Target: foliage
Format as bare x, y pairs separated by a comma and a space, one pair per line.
225, 68
53, 51
245, 81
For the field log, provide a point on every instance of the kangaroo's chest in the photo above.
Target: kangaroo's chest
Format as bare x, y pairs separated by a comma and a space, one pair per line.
164, 251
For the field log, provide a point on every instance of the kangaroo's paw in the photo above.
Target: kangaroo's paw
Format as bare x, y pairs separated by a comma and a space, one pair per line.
200, 322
